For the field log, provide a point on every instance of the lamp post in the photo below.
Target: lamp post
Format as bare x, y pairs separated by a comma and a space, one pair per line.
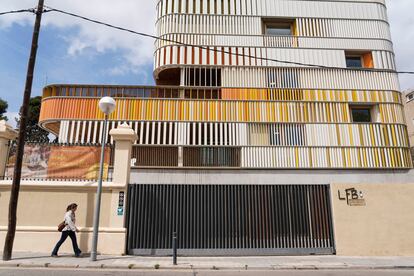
107, 106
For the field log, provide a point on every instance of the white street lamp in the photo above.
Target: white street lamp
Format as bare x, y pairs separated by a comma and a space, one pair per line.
107, 106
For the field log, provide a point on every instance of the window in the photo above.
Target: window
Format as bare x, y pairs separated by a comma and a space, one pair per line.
278, 27
361, 114
211, 157
359, 60
202, 77
287, 135
354, 62
283, 79
279, 30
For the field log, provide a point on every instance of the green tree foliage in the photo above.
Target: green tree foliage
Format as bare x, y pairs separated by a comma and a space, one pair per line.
3, 109
34, 133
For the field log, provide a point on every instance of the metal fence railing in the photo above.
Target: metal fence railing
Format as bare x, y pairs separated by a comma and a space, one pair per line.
229, 219
270, 157
412, 154
142, 92
155, 156
211, 157
185, 156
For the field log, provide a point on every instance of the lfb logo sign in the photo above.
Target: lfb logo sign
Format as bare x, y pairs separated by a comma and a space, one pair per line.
352, 196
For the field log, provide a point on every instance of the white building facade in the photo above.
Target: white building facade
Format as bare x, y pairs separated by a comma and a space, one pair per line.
268, 117
300, 84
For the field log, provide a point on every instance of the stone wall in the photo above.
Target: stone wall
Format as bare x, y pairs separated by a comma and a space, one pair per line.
42, 206
373, 219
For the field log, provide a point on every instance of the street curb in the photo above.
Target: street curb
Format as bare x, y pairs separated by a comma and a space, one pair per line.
404, 267
339, 267
9, 264
115, 267
23, 265
62, 266
195, 268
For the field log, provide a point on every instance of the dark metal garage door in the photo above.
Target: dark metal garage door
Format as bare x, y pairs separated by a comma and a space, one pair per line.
229, 219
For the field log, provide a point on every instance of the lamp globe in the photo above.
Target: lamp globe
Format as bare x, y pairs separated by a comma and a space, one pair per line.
107, 105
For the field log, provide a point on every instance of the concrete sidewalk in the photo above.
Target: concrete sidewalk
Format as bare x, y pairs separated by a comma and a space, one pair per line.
213, 263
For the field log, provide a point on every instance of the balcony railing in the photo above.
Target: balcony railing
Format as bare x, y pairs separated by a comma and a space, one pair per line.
157, 156
270, 157
186, 157
280, 41
412, 154
140, 92
211, 157
220, 93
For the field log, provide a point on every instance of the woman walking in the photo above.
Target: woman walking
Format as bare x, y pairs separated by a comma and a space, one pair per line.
69, 230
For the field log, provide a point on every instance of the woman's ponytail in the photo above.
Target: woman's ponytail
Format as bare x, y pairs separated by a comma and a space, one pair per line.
71, 207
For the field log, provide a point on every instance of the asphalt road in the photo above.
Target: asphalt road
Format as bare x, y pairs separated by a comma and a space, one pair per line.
80, 272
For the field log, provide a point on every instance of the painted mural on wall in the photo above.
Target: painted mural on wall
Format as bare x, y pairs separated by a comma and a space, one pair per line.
60, 162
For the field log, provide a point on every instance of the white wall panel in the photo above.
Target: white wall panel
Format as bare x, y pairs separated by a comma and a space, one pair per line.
294, 8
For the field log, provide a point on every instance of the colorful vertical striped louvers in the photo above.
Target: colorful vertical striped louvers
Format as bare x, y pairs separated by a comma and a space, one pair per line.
235, 104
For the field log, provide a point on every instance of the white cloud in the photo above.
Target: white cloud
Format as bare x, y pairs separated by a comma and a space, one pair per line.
124, 70
137, 15
76, 47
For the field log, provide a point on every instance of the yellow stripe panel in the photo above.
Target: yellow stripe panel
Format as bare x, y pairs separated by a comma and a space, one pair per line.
230, 111
309, 95
329, 158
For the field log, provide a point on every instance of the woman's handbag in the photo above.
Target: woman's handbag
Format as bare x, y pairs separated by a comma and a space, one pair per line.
61, 226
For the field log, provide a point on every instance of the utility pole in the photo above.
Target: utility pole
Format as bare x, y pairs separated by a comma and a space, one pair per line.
14, 196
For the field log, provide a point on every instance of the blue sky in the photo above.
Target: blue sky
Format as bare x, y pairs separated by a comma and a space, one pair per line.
73, 51
55, 65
